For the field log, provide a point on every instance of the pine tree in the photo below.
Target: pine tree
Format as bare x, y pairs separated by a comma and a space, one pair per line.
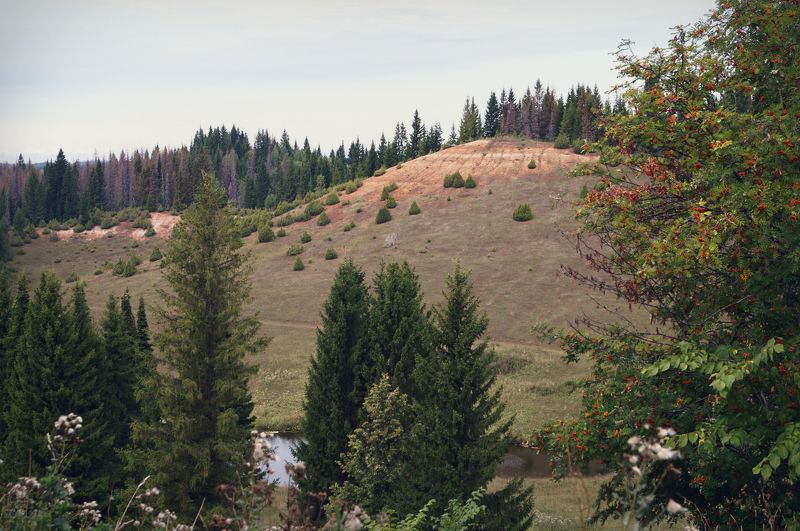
143, 329
119, 348
6, 351
338, 379
398, 326
460, 434
377, 461
203, 397
58, 370
491, 122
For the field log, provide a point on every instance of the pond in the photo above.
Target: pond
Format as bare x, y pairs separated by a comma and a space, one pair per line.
517, 462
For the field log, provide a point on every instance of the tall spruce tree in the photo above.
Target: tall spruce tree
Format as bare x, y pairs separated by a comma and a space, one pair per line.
202, 437
460, 434
143, 329
338, 379
399, 332
6, 350
491, 122
121, 352
58, 370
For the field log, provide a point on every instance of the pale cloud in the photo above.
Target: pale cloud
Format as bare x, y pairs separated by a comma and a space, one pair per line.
99, 76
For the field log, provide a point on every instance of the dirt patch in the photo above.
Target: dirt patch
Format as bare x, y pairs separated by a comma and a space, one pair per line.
162, 222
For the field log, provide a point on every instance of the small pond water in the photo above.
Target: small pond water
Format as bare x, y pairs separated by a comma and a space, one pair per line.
517, 462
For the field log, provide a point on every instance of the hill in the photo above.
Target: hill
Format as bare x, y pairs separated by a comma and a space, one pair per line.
515, 266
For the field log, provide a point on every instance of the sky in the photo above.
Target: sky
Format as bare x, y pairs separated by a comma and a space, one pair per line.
95, 77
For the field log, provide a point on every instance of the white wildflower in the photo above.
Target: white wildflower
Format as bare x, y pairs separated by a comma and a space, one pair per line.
674, 507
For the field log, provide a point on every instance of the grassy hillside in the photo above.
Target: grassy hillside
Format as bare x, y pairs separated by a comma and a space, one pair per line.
515, 266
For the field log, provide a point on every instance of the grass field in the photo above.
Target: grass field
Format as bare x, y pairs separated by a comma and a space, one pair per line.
515, 268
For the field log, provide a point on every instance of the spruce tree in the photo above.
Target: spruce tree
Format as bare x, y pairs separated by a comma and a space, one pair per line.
377, 461
491, 123
120, 350
6, 350
398, 326
58, 370
338, 379
203, 399
142, 328
460, 434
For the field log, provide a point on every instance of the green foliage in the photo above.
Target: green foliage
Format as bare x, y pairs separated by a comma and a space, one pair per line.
54, 237
150, 232
562, 142
305, 237
332, 198
336, 382
155, 254
414, 209
470, 182
58, 366
399, 331
391, 203
126, 268
77, 229
454, 180
285, 221
532, 164
206, 439
323, 220
584, 191
72, 277
331, 254
294, 250
298, 264
265, 234
350, 226
380, 171
377, 460
383, 216
385, 194
281, 233
580, 146
314, 208
350, 188
696, 222
522, 213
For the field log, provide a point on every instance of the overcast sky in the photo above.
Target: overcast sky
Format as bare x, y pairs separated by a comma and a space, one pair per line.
91, 77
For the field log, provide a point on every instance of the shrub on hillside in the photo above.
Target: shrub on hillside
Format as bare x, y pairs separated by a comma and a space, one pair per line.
298, 264
579, 146
282, 208
281, 233
155, 254
72, 277
562, 142
294, 250
331, 254
532, 164
285, 221
350, 188
414, 209
53, 237
150, 232
125, 268
383, 216
46, 231
391, 203
323, 219
265, 234
470, 182
305, 237
314, 208
523, 213
457, 180
380, 171
350, 226
332, 198
77, 229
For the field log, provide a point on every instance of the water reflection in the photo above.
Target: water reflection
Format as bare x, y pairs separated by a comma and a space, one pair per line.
517, 462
